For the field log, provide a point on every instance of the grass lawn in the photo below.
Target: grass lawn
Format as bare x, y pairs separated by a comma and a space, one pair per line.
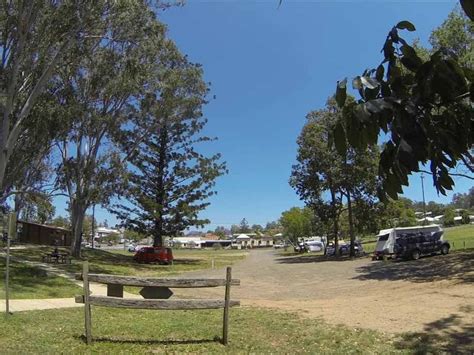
32, 282
121, 262
143, 331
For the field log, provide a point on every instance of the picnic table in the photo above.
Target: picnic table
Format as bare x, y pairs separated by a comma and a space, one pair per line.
58, 258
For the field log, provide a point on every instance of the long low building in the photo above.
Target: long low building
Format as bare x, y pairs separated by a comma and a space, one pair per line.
36, 233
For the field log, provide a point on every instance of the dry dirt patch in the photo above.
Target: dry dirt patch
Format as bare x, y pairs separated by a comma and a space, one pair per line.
393, 297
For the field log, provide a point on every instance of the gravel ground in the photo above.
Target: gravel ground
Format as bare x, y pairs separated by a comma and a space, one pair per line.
394, 296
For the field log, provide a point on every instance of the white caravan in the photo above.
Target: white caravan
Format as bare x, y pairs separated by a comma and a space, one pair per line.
386, 238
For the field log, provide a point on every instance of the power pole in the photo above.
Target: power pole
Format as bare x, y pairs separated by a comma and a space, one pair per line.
423, 192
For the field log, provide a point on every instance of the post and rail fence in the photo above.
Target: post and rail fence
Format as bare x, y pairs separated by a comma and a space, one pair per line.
156, 293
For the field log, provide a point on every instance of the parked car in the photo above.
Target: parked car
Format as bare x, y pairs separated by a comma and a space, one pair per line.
345, 249
414, 245
131, 248
161, 255
313, 246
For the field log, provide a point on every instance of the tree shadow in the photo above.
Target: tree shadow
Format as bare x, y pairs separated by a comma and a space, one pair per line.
306, 259
457, 266
28, 279
152, 341
449, 335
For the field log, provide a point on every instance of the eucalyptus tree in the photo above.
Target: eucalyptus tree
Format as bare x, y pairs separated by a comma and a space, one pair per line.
322, 172
94, 95
34, 37
169, 181
297, 223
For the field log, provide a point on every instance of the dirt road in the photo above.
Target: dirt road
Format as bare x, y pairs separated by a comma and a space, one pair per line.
433, 292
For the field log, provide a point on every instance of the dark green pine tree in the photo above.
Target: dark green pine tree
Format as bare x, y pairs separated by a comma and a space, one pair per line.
170, 181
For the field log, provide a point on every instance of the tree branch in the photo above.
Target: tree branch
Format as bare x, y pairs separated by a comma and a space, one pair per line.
452, 174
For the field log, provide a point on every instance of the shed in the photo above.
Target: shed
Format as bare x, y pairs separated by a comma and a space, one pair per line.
36, 233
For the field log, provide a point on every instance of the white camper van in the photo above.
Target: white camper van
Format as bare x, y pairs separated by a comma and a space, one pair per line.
386, 238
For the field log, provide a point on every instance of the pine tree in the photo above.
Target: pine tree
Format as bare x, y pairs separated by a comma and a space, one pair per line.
170, 181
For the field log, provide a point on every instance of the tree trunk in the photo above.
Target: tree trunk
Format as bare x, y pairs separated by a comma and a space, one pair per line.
351, 224
78, 211
336, 223
161, 193
3, 166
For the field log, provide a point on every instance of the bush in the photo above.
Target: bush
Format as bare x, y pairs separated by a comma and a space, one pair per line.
216, 246
448, 218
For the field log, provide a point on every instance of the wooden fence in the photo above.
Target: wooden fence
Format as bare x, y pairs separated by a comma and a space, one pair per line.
155, 292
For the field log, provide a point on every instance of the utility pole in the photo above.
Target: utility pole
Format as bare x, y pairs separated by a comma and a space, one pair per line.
423, 192
93, 225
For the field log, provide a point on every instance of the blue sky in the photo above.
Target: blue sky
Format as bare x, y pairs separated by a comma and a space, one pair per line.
270, 66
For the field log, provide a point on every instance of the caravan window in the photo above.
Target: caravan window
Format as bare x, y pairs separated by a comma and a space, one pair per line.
384, 237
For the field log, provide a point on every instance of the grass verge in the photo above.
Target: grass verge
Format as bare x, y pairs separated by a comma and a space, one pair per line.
142, 331
32, 282
122, 263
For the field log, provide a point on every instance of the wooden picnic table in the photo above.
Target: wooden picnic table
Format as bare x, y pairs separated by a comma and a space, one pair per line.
58, 258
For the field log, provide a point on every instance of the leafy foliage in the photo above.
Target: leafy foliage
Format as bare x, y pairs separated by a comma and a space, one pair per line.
93, 96
297, 223
424, 108
324, 177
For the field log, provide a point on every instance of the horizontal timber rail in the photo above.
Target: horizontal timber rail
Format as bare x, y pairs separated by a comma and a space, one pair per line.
156, 292
156, 304
156, 282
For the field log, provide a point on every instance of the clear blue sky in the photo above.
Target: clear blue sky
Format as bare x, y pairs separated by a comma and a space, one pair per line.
268, 67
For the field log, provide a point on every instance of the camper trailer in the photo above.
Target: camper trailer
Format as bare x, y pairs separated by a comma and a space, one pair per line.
387, 237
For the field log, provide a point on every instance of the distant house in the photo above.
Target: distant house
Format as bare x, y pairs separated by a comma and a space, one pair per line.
105, 232
429, 220
251, 240
189, 241
35, 233
210, 236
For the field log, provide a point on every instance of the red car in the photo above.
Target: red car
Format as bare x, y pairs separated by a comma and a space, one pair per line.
159, 255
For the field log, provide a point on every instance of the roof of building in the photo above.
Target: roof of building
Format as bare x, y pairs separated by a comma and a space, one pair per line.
210, 236
242, 236
44, 226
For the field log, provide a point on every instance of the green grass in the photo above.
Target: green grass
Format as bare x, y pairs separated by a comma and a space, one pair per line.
142, 331
459, 236
32, 282
121, 262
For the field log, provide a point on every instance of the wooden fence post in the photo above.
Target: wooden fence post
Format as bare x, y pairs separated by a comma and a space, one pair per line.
87, 306
225, 330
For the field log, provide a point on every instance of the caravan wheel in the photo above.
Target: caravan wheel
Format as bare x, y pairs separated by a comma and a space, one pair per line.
415, 254
444, 249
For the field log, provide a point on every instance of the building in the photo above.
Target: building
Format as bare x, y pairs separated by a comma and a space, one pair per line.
35, 233
251, 240
189, 241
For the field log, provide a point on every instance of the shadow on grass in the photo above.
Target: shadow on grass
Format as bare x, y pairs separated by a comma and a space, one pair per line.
449, 335
26, 280
307, 258
153, 341
456, 266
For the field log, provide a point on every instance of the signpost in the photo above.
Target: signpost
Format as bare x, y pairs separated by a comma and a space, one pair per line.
11, 233
7, 277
